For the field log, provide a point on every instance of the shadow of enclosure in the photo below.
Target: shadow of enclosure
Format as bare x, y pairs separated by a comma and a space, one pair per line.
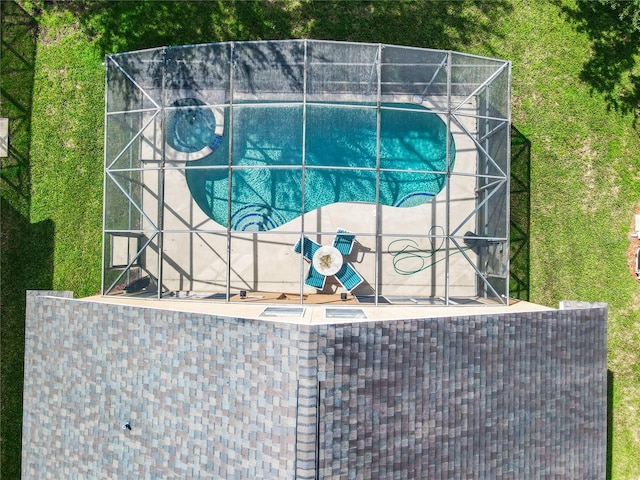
520, 214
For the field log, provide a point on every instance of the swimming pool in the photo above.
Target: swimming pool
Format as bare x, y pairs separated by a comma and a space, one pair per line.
340, 149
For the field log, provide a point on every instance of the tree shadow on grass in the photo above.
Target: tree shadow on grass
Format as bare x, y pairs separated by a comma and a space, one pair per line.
134, 25
125, 26
615, 44
438, 25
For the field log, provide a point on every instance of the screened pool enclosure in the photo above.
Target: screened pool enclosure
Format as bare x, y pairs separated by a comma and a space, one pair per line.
302, 171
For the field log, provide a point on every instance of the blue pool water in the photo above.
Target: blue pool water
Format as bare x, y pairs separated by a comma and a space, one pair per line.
337, 136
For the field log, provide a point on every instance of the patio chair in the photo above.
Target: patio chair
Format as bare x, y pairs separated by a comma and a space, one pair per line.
344, 241
310, 247
348, 277
315, 278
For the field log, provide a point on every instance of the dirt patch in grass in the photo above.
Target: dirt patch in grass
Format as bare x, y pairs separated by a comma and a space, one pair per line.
634, 244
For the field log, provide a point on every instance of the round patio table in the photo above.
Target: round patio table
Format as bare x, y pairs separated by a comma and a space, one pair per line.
327, 260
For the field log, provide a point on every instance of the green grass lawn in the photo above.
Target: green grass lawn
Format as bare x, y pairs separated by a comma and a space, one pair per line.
573, 101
